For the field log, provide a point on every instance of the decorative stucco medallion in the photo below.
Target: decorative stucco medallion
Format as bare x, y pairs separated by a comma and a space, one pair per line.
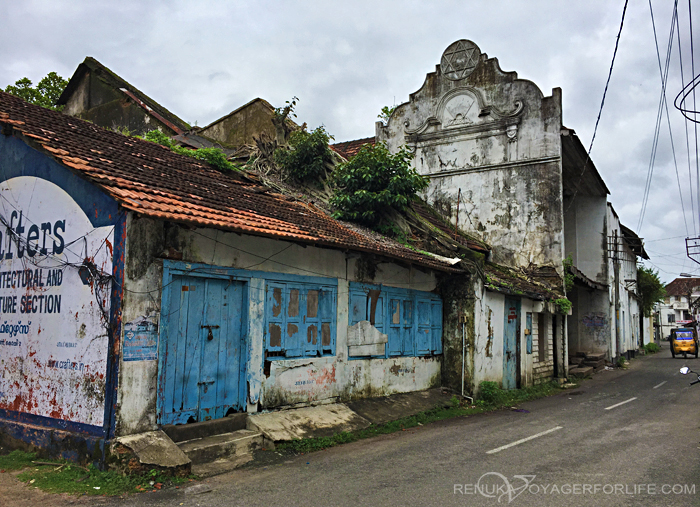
459, 59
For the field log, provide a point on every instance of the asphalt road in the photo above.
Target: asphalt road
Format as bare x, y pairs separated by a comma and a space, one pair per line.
626, 437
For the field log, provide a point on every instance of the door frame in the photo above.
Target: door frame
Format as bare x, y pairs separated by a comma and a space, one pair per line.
206, 271
518, 329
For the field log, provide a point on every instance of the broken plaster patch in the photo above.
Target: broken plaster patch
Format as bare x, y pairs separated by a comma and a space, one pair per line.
155, 448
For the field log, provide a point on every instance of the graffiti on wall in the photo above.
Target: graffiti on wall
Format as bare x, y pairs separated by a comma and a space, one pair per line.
54, 302
596, 326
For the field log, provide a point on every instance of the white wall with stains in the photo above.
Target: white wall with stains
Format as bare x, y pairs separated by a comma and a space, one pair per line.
285, 382
488, 360
490, 143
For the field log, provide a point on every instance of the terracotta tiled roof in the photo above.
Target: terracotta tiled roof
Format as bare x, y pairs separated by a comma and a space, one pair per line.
682, 286
152, 180
349, 149
536, 283
438, 222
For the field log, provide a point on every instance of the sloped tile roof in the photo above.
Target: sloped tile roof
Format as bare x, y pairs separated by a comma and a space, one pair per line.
682, 286
152, 180
349, 149
535, 284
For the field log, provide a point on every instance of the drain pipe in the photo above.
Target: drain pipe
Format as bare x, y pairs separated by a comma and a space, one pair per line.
464, 340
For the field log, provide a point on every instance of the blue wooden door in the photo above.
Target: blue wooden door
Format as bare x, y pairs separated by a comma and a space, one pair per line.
204, 363
511, 332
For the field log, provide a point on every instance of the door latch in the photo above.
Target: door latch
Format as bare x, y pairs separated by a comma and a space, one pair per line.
205, 384
210, 336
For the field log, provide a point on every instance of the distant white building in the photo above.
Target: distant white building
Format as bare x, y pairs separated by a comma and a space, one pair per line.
676, 308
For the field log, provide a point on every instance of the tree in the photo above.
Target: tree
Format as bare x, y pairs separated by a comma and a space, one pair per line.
373, 181
386, 113
651, 290
45, 94
308, 155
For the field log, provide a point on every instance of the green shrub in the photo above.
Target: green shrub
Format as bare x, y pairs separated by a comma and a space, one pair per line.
213, 156
374, 180
651, 348
490, 393
307, 156
563, 305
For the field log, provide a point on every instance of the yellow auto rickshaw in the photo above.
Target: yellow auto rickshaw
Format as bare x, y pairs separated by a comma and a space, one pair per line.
684, 340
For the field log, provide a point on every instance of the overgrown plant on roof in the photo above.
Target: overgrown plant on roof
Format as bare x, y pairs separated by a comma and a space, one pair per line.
386, 113
568, 276
45, 94
563, 305
308, 157
213, 156
373, 182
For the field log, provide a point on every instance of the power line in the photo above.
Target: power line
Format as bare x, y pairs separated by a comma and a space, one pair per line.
687, 139
600, 110
663, 105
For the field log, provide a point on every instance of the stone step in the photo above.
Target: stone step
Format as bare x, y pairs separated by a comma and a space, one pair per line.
576, 360
595, 357
586, 371
595, 364
184, 432
236, 446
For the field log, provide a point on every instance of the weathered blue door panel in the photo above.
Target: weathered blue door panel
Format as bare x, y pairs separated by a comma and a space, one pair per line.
424, 336
511, 332
204, 347
528, 327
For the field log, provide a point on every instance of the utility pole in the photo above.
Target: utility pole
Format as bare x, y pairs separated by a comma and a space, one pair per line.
616, 268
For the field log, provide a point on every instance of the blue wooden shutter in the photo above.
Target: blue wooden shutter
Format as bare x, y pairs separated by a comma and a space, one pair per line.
293, 331
436, 325
395, 327
274, 315
358, 307
424, 335
327, 308
408, 333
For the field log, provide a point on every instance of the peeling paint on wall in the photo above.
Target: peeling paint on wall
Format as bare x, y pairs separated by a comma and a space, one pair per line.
53, 330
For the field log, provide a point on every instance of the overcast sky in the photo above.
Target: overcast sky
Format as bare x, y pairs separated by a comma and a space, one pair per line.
345, 60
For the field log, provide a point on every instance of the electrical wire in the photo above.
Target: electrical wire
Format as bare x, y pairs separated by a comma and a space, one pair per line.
600, 110
685, 123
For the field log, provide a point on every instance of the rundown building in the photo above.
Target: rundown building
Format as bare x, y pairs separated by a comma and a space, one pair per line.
504, 167
491, 144
142, 289
97, 94
243, 125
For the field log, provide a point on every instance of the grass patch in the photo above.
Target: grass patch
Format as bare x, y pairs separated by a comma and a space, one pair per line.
492, 397
67, 477
652, 348
16, 460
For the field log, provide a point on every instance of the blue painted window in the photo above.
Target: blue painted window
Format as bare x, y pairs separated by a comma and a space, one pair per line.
299, 319
412, 320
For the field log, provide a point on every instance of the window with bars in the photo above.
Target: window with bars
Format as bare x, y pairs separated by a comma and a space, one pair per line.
412, 320
299, 320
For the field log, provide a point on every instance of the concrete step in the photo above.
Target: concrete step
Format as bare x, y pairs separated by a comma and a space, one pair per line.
184, 432
583, 372
235, 446
595, 364
595, 357
576, 360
